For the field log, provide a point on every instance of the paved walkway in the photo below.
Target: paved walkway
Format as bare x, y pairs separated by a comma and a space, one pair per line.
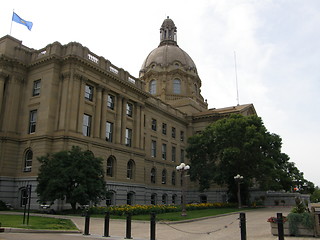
218, 228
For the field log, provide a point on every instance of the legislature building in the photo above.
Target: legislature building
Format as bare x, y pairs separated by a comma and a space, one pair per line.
65, 95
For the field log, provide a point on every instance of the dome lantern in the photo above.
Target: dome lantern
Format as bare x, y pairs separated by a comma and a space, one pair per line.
168, 33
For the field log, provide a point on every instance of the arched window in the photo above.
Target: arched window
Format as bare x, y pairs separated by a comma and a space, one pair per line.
130, 169
28, 161
164, 199
174, 199
153, 87
130, 198
110, 198
173, 178
153, 198
153, 175
176, 86
164, 177
110, 166
203, 198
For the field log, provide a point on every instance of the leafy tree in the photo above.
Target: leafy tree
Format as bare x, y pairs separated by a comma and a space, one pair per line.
315, 197
74, 175
240, 145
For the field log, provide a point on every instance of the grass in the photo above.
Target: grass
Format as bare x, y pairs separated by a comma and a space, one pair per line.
176, 216
36, 222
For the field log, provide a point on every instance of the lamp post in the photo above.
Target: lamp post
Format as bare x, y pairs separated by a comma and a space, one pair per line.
183, 168
238, 180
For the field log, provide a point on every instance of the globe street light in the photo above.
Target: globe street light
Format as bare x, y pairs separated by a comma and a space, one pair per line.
183, 168
238, 180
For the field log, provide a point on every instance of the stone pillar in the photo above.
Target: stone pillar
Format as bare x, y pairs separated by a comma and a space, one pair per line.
142, 118
137, 121
123, 120
2, 80
118, 119
97, 120
103, 114
81, 106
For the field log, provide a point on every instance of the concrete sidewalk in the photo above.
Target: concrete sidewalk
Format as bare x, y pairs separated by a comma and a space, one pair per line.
219, 228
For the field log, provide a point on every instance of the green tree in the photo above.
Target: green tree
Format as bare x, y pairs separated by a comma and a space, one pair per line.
240, 145
74, 175
315, 197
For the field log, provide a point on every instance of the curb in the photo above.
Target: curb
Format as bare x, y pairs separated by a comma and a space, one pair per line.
25, 230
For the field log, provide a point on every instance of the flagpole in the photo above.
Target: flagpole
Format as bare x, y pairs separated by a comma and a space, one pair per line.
11, 22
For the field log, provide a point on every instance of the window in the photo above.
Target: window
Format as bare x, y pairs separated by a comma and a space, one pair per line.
203, 199
88, 94
110, 166
36, 88
173, 132
28, 161
173, 178
110, 102
176, 86
86, 127
129, 109
153, 199
164, 128
154, 124
130, 198
164, 151
164, 176
32, 121
173, 154
110, 198
164, 199
182, 136
128, 140
153, 175
109, 131
153, 87
174, 199
182, 155
153, 148
130, 170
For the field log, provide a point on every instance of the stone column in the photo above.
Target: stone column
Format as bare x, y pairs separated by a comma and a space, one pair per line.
123, 120
118, 119
142, 118
137, 126
97, 120
103, 113
2, 80
81, 106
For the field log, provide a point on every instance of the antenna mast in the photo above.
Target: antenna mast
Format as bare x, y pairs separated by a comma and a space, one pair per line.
235, 68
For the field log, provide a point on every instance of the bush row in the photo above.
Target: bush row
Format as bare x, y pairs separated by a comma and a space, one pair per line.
147, 209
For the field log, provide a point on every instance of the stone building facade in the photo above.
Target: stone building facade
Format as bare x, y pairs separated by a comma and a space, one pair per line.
64, 95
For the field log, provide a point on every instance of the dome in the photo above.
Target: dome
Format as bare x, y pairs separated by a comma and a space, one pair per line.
168, 52
166, 55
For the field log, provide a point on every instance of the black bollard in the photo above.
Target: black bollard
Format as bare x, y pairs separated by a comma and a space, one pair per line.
106, 224
243, 226
128, 230
153, 226
86, 223
280, 226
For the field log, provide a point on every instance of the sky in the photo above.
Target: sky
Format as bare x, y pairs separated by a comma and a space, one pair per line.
269, 48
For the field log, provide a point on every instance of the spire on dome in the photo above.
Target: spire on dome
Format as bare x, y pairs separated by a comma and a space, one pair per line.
168, 33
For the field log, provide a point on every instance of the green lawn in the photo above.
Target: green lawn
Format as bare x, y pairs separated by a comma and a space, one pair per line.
35, 222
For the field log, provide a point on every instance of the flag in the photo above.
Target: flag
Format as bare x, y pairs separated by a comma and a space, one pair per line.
18, 19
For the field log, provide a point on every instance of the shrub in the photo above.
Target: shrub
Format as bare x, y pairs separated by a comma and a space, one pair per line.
306, 219
3, 206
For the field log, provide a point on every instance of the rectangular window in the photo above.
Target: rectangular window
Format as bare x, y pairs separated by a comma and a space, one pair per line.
36, 88
32, 121
182, 155
173, 154
164, 128
173, 132
88, 94
182, 136
109, 131
129, 109
128, 140
153, 148
110, 102
164, 151
154, 124
86, 127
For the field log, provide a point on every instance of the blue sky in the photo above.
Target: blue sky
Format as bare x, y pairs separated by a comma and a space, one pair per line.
276, 43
